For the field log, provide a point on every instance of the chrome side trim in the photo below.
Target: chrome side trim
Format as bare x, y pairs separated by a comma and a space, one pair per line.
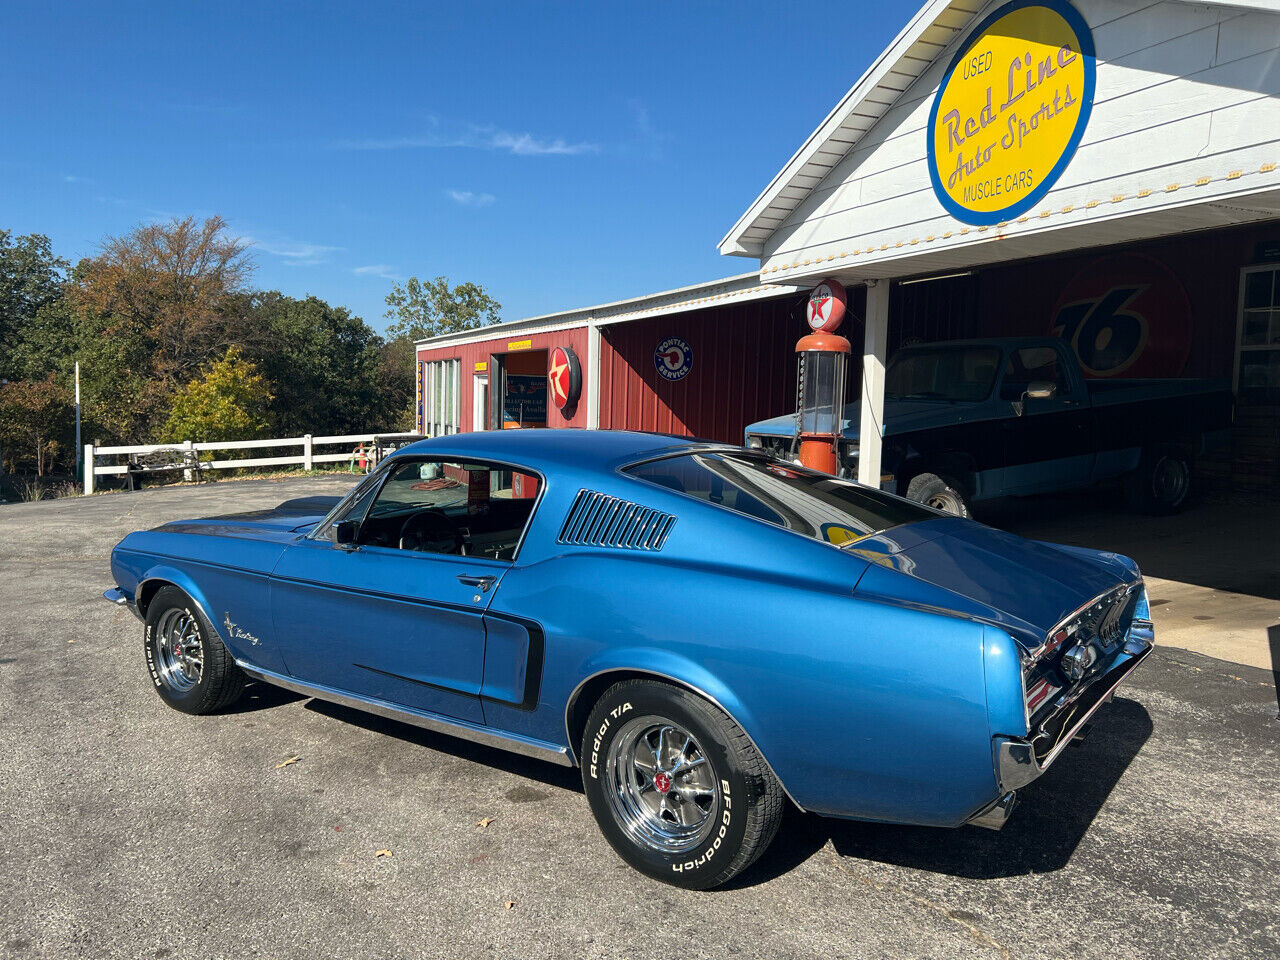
419, 718
573, 698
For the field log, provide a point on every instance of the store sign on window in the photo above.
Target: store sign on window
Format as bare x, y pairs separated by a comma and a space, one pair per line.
1011, 110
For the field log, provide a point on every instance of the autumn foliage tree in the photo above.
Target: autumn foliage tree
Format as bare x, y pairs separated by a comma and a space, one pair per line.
35, 422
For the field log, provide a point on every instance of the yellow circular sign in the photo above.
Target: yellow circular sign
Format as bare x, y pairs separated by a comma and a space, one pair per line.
1011, 110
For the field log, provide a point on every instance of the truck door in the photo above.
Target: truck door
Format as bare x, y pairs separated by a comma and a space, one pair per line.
1050, 446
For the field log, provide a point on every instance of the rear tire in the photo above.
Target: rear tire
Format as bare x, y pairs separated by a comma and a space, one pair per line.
940, 492
1162, 483
192, 670
677, 787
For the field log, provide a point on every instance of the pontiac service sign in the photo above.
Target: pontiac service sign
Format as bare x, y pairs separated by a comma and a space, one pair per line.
1011, 110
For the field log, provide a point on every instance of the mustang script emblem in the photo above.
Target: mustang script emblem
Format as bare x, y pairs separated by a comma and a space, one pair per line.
235, 633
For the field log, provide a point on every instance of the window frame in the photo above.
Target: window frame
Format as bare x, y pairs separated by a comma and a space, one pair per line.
1241, 346
440, 390
335, 516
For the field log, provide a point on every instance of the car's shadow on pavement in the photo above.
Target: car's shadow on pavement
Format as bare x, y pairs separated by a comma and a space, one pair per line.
1052, 817
543, 772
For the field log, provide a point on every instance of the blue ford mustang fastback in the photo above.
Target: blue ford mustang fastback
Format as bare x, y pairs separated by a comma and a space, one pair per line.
704, 629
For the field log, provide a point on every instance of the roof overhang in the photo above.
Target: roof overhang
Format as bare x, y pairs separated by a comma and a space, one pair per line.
924, 39
744, 288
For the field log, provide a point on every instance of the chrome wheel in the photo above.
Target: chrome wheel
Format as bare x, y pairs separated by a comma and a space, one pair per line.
661, 785
179, 651
946, 503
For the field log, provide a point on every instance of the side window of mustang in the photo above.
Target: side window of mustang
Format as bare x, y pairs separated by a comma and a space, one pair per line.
450, 507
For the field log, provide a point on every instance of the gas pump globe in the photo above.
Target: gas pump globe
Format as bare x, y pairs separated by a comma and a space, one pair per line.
823, 359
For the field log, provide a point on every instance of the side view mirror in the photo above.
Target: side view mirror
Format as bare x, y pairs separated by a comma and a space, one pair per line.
345, 532
1036, 390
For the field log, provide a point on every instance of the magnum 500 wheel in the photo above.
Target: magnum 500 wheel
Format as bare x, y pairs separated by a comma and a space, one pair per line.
677, 787
192, 670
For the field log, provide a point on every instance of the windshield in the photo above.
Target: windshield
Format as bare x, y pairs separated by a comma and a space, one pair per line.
776, 491
950, 374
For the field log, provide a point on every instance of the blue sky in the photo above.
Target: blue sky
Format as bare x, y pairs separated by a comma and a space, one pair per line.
559, 154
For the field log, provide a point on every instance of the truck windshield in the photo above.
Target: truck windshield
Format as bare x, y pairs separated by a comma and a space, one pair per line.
813, 504
948, 374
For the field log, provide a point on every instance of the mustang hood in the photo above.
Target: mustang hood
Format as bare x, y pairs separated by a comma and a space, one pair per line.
900, 416
280, 524
1026, 586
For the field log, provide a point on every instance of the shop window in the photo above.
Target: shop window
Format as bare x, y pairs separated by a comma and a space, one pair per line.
439, 385
1258, 352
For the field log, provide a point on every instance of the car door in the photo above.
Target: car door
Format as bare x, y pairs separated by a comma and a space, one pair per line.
1048, 447
398, 614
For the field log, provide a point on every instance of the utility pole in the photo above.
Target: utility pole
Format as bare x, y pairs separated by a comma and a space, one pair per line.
79, 449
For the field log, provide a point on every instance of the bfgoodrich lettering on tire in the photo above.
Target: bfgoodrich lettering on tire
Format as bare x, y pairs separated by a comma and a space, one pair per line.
191, 669
677, 787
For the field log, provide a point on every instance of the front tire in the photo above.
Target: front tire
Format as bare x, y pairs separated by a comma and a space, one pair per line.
192, 670
677, 787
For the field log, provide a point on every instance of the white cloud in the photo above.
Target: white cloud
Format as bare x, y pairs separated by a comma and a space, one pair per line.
295, 253
466, 198
477, 138
72, 178
380, 270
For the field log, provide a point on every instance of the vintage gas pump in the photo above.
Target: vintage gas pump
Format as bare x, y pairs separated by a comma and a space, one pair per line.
820, 380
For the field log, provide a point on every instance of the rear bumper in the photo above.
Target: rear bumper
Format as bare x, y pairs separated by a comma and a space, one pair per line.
1019, 760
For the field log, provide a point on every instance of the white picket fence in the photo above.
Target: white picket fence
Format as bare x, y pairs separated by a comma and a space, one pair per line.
189, 458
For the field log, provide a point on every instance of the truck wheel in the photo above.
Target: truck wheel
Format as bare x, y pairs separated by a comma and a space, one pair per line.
678, 789
1162, 482
940, 492
192, 670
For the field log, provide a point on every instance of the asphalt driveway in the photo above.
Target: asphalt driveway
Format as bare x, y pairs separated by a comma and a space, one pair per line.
130, 830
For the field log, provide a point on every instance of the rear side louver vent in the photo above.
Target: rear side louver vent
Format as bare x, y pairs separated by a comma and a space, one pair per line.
599, 520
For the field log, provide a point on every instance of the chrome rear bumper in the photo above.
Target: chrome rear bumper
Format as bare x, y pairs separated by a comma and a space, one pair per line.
1019, 761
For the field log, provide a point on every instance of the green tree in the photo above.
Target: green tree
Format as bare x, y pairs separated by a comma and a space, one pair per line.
419, 310
229, 402
31, 278
36, 422
321, 362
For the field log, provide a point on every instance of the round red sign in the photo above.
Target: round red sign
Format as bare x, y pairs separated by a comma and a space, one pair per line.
826, 306
564, 377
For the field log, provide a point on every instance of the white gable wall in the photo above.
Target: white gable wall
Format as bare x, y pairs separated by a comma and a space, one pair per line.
1186, 112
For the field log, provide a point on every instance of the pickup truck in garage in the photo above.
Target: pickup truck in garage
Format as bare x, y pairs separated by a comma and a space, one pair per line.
972, 420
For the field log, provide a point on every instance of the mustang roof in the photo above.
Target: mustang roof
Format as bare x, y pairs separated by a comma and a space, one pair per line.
589, 449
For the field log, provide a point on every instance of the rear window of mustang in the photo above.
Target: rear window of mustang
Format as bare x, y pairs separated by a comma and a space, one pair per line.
775, 491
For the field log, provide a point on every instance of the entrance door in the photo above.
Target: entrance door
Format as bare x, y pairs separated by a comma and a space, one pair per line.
480, 403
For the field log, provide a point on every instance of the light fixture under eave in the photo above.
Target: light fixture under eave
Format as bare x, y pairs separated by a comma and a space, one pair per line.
940, 276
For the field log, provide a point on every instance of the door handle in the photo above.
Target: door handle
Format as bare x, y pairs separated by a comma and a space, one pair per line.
482, 583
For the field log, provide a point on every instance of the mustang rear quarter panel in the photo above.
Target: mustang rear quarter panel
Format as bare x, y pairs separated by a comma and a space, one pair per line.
862, 708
